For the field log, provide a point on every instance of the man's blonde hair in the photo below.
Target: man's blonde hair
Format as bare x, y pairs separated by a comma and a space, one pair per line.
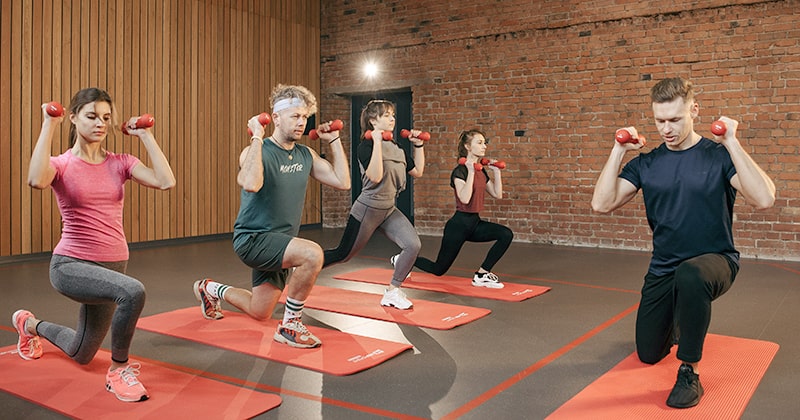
294, 91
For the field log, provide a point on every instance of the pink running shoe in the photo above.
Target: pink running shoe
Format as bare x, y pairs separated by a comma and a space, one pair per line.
28, 346
124, 384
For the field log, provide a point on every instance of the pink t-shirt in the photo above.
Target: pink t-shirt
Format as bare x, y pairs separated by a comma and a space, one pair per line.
90, 198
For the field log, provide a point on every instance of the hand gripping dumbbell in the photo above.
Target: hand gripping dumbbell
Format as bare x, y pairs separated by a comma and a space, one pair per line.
387, 135
54, 109
336, 125
499, 164
719, 128
144, 121
264, 119
476, 165
424, 136
624, 136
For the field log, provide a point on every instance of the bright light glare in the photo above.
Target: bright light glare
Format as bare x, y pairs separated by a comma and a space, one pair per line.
370, 69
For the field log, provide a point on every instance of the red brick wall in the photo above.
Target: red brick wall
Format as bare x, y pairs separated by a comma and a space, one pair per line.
569, 74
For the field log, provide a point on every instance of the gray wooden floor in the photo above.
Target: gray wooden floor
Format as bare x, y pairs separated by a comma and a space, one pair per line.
448, 371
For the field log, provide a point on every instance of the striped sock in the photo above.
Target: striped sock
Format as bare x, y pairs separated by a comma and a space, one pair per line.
216, 290
294, 309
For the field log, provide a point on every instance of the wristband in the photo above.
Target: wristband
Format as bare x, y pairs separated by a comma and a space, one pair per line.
256, 138
419, 146
331, 142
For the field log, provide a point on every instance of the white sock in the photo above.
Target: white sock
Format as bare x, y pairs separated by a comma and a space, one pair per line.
294, 309
216, 290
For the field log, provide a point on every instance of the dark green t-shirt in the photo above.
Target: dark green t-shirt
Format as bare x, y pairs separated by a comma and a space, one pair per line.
278, 205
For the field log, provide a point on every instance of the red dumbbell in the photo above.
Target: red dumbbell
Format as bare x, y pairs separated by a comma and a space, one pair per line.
497, 164
387, 135
264, 119
54, 109
719, 128
476, 165
336, 125
144, 121
424, 136
624, 136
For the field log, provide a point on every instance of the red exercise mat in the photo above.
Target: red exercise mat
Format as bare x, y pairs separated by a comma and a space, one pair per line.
340, 353
62, 385
462, 286
730, 372
425, 313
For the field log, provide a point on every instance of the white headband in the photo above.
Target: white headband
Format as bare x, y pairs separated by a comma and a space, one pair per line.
287, 103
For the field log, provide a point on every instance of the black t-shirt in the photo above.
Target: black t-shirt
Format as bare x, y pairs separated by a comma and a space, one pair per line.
689, 202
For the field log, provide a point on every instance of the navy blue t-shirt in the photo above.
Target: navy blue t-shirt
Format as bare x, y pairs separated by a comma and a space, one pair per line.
689, 200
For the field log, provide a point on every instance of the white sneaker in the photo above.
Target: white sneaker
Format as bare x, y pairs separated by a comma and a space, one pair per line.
488, 280
397, 298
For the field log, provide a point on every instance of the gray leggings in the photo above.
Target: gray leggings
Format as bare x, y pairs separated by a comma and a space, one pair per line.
108, 298
363, 222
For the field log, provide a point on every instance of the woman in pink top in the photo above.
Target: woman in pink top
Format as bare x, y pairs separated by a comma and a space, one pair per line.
90, 260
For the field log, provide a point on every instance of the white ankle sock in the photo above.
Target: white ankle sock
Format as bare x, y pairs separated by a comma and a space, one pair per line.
216, 290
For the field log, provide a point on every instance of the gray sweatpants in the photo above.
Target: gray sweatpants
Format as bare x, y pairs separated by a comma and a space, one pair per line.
108, 298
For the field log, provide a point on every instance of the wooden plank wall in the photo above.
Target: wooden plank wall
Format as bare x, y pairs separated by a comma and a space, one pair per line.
200, 67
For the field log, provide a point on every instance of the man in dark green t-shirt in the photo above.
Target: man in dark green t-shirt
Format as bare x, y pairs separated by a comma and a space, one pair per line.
273, 175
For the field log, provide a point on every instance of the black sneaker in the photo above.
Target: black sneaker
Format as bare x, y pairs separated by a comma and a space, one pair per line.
687, 390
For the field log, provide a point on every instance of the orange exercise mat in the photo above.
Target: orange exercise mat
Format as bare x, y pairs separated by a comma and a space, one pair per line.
730, 372
58, 383
427, 314
512, 292
340, 354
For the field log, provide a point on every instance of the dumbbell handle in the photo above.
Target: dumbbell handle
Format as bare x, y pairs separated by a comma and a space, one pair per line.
336, 125
424, 136
54, 109
387, 135
719, 128
624, 136
499, 164
144, 121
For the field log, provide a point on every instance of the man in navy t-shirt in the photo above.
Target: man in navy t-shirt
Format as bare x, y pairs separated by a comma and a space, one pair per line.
689, 185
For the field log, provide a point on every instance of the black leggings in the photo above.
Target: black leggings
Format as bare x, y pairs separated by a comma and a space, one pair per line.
678, 305
463, 227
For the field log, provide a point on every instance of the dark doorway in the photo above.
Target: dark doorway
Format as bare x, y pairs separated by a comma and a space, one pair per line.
402, 100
